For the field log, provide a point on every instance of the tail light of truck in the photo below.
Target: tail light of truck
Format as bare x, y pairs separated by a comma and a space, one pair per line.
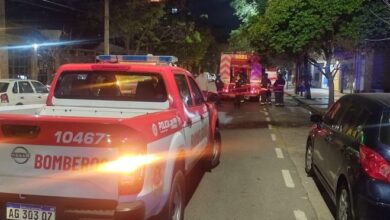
374, 165
4, 98
131, 169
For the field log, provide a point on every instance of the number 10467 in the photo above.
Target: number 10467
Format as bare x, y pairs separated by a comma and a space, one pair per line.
69, 137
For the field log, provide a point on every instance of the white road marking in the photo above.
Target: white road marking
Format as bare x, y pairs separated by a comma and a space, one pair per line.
268, 119
300, 215
288, 179
270, 127
266, 113
273, 136
265, 109
279, 153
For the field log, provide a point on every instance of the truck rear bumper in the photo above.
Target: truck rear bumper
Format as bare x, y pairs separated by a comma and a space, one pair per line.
77, 209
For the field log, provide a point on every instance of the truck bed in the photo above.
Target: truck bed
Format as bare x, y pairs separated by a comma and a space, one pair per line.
43, 110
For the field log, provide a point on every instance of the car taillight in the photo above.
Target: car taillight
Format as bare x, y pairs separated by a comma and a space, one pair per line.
374, 165
130, 167
132, 180
4, 98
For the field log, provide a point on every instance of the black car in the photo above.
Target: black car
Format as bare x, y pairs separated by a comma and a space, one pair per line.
348, 150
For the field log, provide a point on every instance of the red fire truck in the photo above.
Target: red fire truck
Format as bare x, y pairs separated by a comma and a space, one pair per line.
235, 65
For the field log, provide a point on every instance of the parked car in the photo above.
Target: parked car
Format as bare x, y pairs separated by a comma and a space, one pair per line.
348, 150
22, 92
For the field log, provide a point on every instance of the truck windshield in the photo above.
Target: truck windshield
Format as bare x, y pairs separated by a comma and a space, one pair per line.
3, 86
118, 86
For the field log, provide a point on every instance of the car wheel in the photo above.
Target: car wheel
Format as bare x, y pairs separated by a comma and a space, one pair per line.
176, 201
344, 208
213, 153
309, 159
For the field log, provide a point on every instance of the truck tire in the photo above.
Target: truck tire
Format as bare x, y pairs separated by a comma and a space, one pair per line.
213, 153
174, 209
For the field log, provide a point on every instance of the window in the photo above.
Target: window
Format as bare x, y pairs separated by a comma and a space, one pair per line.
332, 117
122, 86
15, 88
354, 121
3, 86
183, 88
19, 63
385, 128
39, 87
25, 87
198, 96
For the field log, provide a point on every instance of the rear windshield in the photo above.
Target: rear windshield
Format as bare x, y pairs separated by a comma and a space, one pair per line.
3, 86
118, 86
385, 128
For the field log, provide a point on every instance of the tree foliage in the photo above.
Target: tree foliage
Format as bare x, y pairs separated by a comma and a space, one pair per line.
246, 9
298, 28
144, 27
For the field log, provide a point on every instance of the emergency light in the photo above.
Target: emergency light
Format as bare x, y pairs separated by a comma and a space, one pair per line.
137, 59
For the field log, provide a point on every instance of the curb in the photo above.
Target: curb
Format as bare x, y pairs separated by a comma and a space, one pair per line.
305, 105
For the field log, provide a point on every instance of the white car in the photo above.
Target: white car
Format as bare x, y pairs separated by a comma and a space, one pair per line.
22, 92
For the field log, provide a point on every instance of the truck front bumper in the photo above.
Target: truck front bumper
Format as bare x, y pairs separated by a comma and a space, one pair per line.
79, 209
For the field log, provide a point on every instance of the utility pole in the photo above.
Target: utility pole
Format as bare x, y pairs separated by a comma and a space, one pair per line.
3, 43
106, 26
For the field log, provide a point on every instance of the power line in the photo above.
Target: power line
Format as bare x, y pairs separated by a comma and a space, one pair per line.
377, 40
61, 5
387, 3
37, 5
379, 17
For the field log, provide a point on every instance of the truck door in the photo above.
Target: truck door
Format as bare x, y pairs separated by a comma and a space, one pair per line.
200, 137
191, 120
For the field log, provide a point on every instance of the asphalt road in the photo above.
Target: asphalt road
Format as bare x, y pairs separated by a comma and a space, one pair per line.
261, 175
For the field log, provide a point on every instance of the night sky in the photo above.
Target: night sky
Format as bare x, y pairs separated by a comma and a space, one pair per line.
41, 14
221, 16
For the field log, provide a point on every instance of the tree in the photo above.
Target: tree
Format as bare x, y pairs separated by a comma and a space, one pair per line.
139, 25
131, 21
239, 41
246, 9
134, 21
301, 28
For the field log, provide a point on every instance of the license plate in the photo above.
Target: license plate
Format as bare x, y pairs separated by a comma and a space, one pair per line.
18, 211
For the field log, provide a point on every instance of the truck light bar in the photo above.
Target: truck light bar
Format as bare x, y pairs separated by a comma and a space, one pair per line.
137, 59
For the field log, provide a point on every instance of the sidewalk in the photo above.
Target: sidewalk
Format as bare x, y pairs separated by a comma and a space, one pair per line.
319, 99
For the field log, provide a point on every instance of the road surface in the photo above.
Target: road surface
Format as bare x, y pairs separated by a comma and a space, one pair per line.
261, 175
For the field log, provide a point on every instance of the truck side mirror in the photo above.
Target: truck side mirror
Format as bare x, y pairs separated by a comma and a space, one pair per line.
211, 96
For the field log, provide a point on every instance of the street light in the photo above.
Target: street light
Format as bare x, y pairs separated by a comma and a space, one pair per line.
35, 46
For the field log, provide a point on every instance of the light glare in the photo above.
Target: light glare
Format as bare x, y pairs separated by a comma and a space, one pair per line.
128, 164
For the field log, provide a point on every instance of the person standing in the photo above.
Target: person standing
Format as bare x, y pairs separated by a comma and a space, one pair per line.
279, 90
265, 92
218, 83
301, 88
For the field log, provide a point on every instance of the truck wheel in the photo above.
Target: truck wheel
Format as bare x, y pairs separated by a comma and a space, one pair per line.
176, 201
213, 153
